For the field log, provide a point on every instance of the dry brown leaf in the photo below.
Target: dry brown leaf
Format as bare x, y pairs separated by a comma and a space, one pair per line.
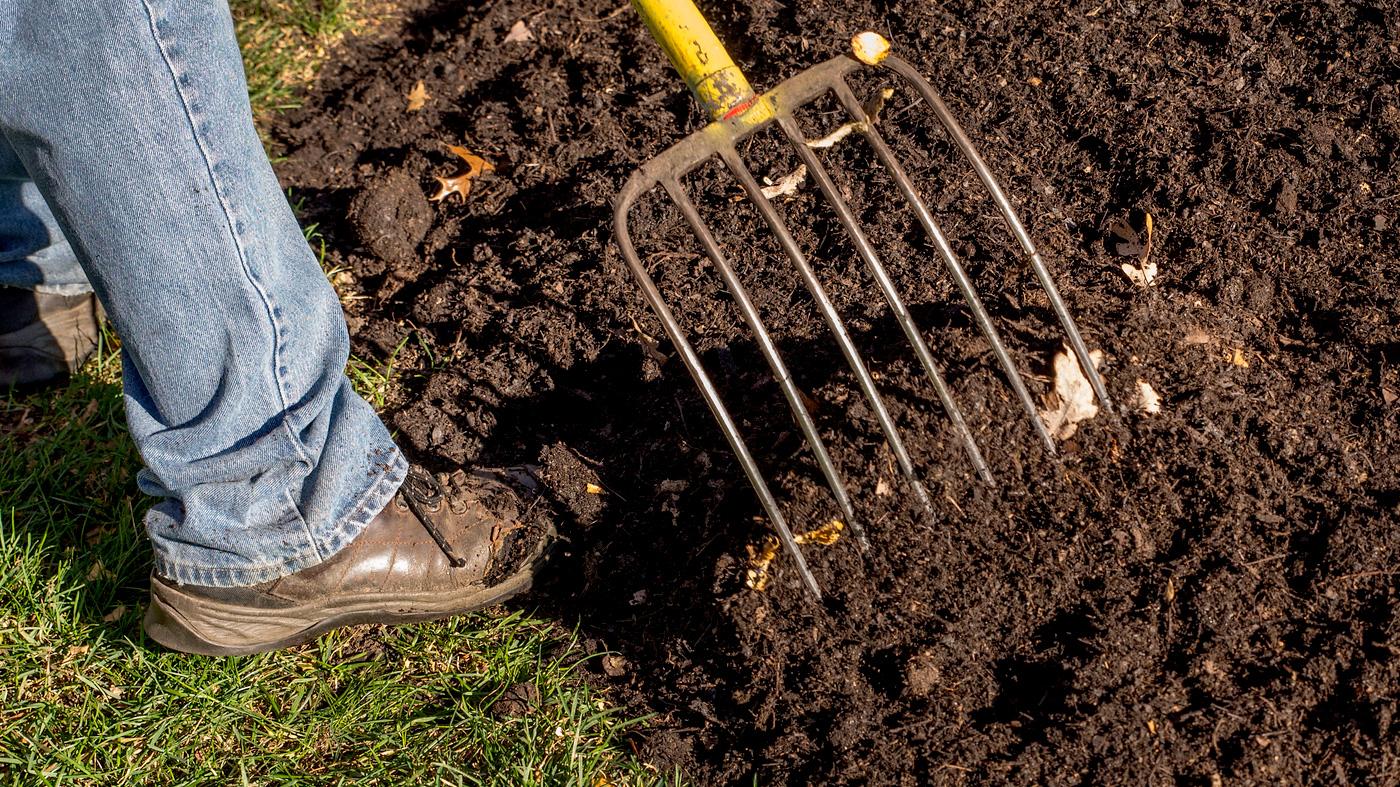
99, 571
593, 489
1073, 399
461, 185
826, 535
116, 614
760, 558
786, 185
417, 97
1132, 243
519, 32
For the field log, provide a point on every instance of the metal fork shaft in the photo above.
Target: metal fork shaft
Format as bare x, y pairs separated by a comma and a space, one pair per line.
950, 260
877, 269
769, 351
833, 320
950, 124
712, 399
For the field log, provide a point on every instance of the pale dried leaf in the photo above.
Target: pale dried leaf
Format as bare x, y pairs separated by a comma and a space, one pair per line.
519, 32
1198, 336
417, 97
1073, 399
116, 614
1141, 275
788, 184
1148, 400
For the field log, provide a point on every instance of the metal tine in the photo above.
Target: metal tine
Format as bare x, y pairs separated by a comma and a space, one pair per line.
770, 353
712, 398
1013, 222
833, 320
950, 258
901, 313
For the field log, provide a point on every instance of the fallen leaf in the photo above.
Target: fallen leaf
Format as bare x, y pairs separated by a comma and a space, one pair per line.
1388, 395
417, 97
1132, 243
1237, 358
593, 489
1073, 398
882, 488
99, 571
461, 185
116, 614
787, 185
1148, 400
872, 110
519, 32
826, 535
760, 558
1197, 336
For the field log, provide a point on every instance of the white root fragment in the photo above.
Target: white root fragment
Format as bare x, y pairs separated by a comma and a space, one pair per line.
1073, 398
1148, 400
786, 185
872, 111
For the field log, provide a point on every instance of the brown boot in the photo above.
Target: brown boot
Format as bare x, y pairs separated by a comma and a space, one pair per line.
430, 554
43, 337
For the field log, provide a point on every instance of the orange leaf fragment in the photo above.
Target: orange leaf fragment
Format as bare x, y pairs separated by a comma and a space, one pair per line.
417, 97
461, 185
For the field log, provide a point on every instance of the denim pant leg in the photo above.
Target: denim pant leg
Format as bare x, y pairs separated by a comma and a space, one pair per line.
34, 255
132, 118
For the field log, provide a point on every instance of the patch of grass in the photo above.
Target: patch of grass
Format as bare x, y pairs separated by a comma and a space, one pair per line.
285, 43
375, 381
86, 699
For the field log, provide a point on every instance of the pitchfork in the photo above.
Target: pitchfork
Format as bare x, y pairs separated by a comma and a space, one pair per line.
737, 113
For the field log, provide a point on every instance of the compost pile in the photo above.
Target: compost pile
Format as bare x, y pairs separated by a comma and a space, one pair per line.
1205, 594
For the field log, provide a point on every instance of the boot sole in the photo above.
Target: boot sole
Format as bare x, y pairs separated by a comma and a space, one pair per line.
171, 616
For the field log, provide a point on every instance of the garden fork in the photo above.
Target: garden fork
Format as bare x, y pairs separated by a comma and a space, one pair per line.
737, 113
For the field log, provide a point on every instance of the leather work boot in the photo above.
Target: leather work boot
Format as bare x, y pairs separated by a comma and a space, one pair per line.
44, 337
431, 553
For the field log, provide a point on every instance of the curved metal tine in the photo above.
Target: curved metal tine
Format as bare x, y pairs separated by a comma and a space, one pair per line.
1012, 221
950, 259
770, 354
712, 398
833, 320
901, 312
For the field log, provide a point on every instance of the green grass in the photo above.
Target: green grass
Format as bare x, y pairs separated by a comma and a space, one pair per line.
285, 42
86, 699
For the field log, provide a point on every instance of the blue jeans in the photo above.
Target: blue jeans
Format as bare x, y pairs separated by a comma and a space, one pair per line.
129, 165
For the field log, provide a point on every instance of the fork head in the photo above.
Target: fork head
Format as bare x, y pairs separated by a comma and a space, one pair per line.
720, 140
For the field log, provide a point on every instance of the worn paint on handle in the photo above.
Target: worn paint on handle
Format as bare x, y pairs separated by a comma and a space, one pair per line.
698, 55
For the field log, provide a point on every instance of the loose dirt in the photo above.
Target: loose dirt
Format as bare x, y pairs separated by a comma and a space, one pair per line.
1202, 596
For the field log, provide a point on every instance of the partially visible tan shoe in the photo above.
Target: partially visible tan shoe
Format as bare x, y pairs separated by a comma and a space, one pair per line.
43, 337
431, 553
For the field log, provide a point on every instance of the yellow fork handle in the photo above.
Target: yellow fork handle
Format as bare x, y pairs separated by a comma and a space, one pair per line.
698, 55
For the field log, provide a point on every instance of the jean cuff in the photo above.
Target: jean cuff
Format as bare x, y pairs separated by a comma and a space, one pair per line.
381, 485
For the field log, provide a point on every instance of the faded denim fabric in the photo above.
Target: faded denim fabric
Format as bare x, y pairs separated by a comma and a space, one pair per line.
131, 118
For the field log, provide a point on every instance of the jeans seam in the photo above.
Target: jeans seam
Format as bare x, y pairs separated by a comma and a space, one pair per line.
233, 228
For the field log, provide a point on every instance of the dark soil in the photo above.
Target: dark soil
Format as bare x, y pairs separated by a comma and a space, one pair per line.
1203, 596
